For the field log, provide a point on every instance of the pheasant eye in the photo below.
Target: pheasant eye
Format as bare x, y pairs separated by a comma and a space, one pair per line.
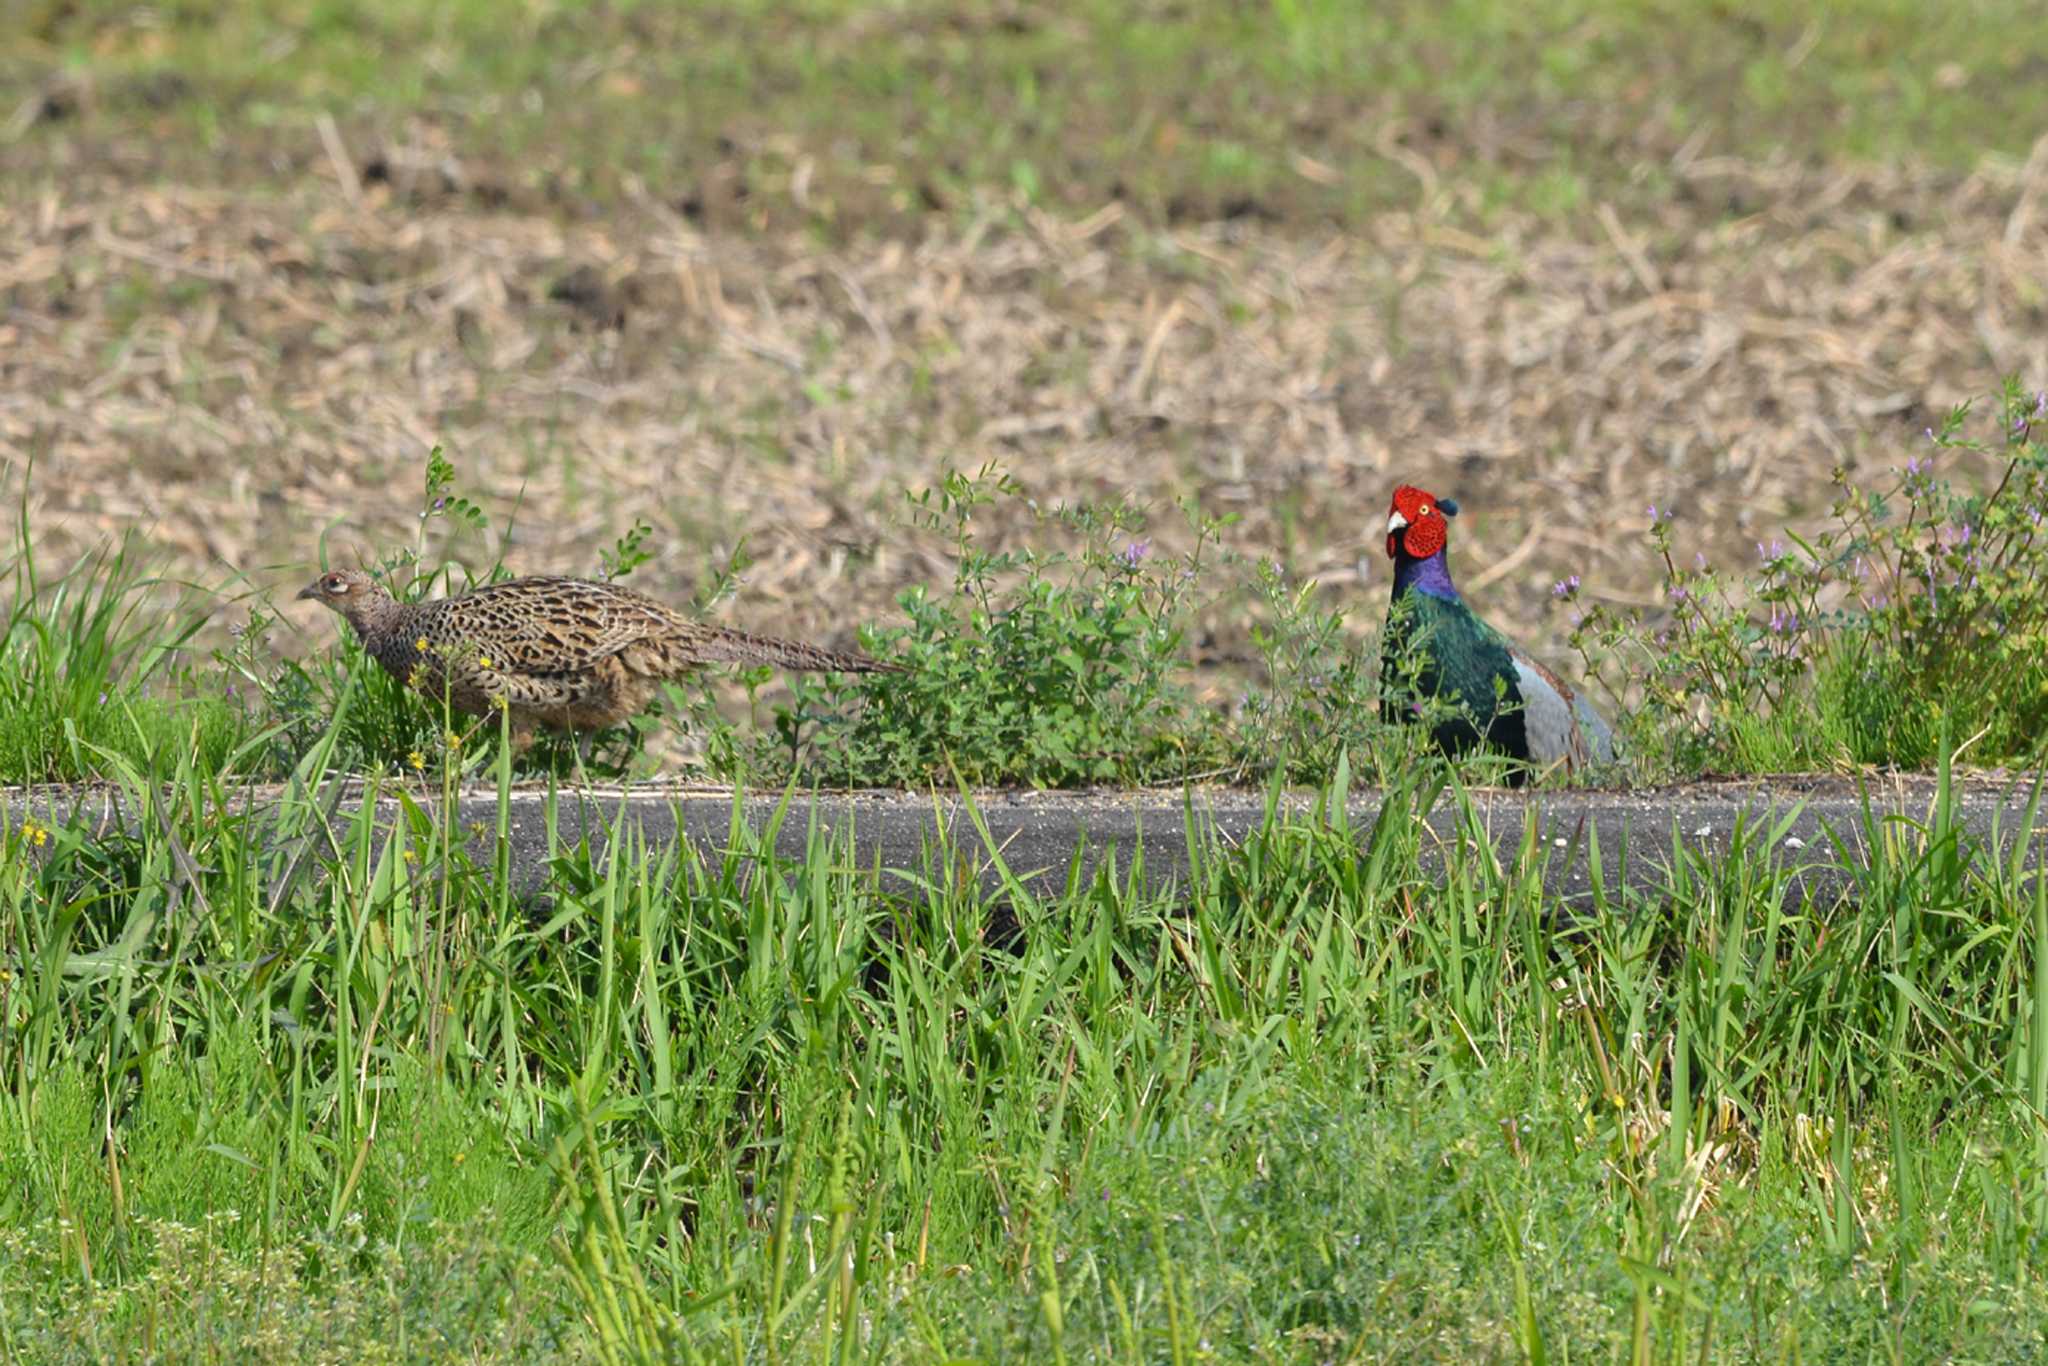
336, 584
1425, 510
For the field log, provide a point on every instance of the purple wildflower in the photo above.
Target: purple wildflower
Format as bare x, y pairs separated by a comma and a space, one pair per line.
1134, 553
1699, 560
1565, 587
1678, 593
1783, 623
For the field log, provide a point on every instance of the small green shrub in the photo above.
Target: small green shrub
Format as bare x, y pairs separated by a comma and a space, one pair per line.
1040, 667
1924, 608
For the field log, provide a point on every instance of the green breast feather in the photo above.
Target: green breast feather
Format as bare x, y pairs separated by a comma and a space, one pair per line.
1437, 649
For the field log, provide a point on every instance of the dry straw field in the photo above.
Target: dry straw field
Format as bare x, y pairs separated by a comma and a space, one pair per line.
248, 363
240, 375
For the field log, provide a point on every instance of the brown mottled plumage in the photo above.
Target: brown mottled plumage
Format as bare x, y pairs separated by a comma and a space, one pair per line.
569, 654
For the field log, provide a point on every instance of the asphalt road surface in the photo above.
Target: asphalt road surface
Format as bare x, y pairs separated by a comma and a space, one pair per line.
1822, 822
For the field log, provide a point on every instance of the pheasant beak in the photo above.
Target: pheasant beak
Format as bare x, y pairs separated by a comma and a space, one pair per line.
311, 590
1396, 523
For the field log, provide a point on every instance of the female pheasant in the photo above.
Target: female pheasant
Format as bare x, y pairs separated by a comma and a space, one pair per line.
1434, 647
569, 654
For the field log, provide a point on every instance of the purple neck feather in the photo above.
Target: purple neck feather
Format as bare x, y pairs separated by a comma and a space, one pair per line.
1431, 576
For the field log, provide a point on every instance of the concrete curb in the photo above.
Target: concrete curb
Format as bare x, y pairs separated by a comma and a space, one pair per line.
1816, 825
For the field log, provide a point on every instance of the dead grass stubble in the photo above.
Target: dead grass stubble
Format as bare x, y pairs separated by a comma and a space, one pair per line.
237, 373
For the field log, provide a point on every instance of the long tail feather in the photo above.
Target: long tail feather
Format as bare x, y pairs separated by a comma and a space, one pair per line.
723, 645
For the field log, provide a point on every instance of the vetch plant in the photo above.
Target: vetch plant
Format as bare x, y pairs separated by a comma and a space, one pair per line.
1046, 667
1924, 605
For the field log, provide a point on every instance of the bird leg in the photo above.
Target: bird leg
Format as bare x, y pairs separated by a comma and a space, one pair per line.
586, 745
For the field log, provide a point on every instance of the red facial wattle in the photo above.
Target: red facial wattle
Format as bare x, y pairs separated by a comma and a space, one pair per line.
1415, 523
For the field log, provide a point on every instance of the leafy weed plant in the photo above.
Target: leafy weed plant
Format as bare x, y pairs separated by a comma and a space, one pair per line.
1039, 667
1924, 609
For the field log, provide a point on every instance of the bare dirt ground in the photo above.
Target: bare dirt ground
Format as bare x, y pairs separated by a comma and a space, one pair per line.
238, 374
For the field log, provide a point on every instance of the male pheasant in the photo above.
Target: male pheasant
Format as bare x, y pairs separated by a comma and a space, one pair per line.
1435, 647
568, 654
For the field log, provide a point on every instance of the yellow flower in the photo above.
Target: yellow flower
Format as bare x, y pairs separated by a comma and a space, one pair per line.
483, 661
411, 856
461, 1158
420, 645
417, 760
32, 833
454, 740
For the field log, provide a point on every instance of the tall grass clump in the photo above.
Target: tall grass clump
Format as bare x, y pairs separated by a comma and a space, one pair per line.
92, 660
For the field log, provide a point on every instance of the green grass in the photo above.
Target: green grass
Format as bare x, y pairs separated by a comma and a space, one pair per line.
1275, 110
1322, 1100
91, 670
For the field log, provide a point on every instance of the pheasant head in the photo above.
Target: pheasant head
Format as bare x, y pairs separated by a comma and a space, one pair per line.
355, 595
1415, 523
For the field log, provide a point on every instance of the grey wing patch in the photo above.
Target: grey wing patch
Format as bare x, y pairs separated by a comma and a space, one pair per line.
1560, 724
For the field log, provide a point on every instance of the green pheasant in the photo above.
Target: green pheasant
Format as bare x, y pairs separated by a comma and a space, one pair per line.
1492, 693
